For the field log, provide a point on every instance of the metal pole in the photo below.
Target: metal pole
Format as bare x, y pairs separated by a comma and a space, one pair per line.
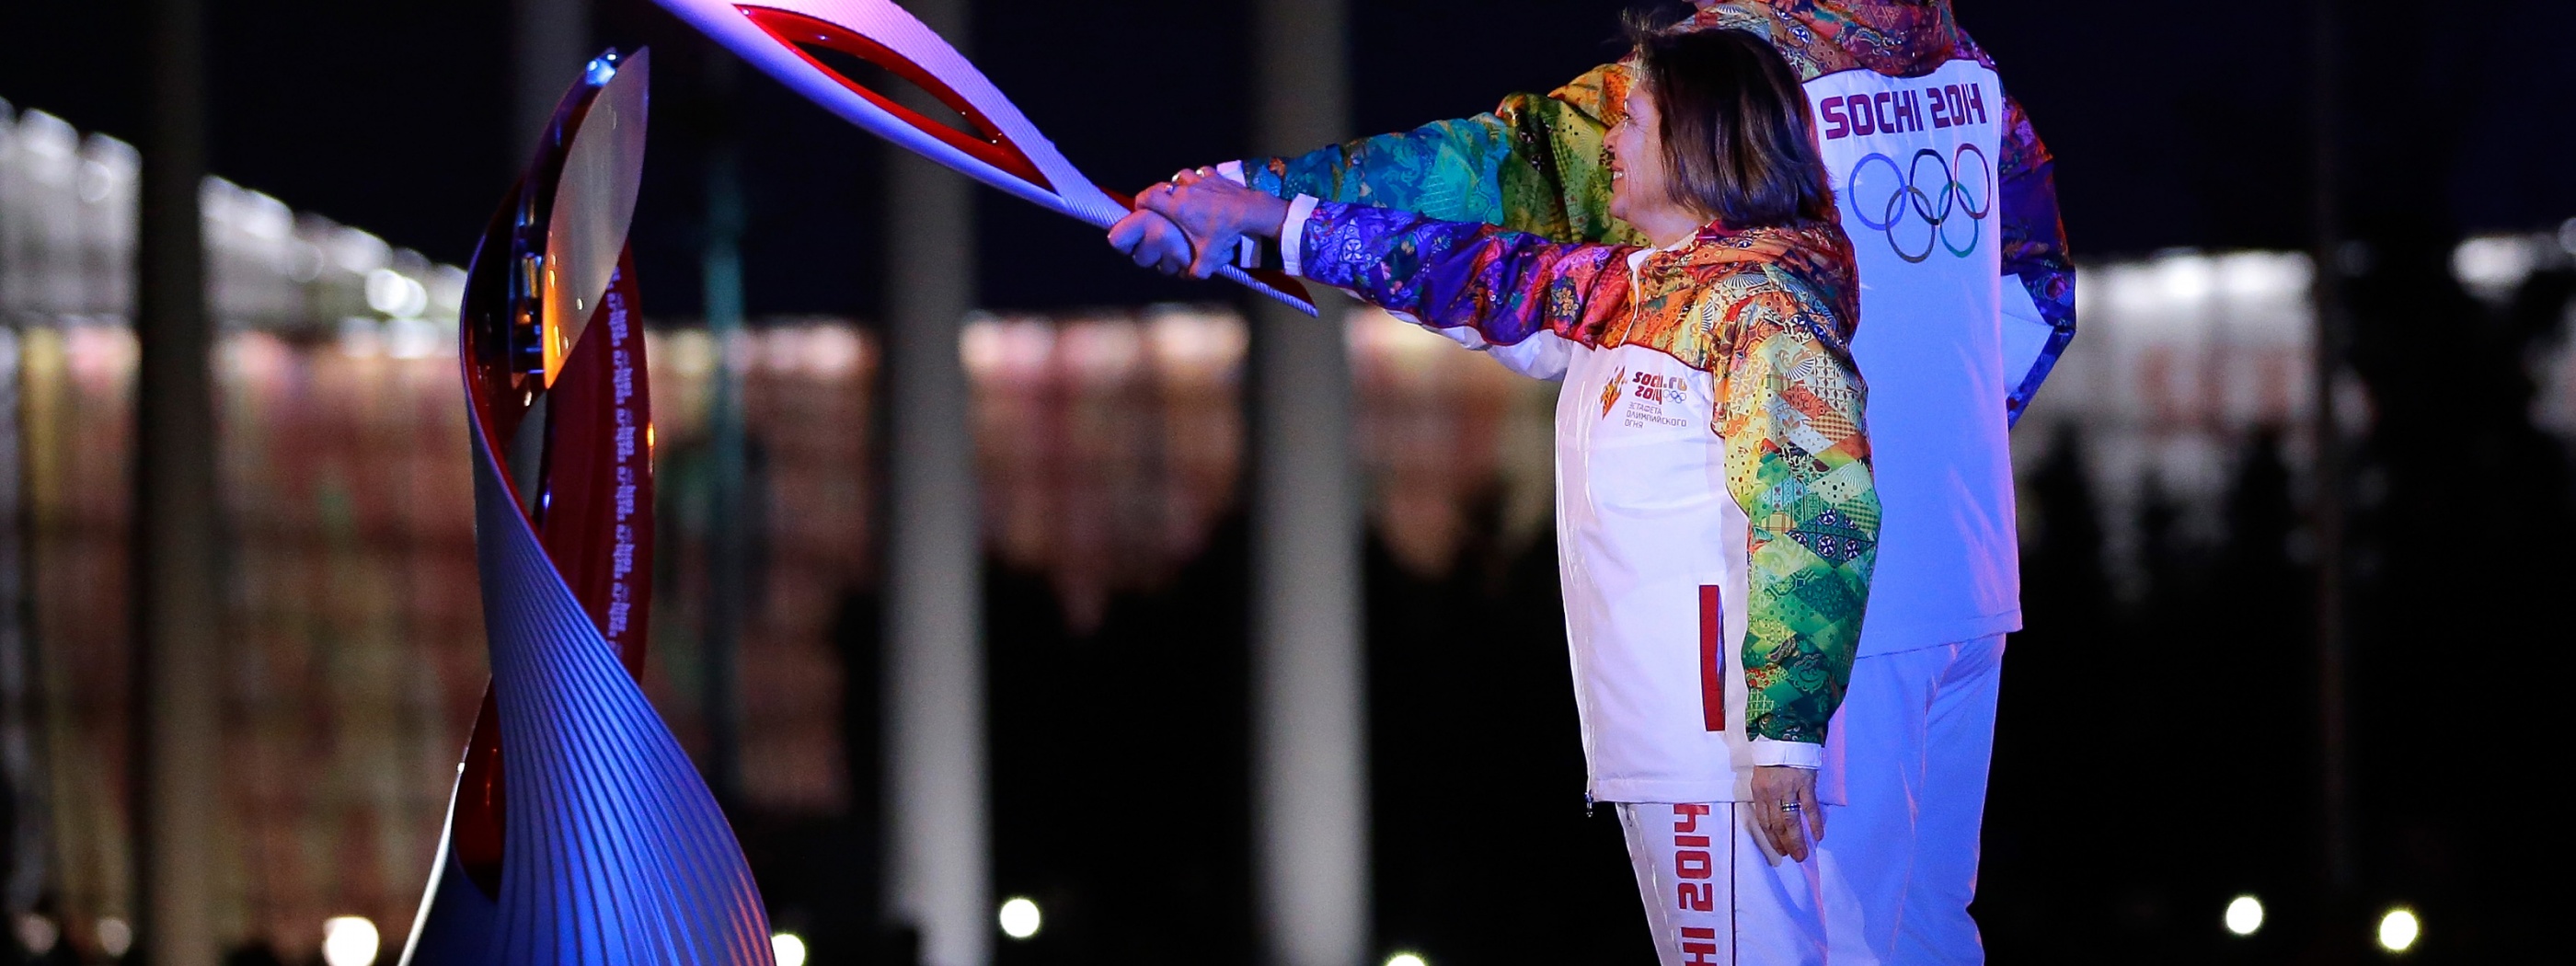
2329, 496
728, 536
177, 573
22, 857
21, 849
550, 41
939, 873
1310, 730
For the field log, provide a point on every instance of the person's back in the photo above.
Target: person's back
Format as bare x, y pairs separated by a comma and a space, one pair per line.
1958, 336
1910, 121
1716, 521
1967, 296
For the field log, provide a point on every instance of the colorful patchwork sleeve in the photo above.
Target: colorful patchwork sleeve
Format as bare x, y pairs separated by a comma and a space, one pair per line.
2035, 245
1797, 461
1507, 285
1534, 164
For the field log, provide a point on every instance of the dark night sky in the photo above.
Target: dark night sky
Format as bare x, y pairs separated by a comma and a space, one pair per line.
392, 115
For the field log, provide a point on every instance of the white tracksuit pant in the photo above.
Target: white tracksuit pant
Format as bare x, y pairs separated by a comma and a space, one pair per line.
1715, 895
1911, 745
1891, 881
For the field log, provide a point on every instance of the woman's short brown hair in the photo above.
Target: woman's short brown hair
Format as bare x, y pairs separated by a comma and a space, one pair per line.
1737, 138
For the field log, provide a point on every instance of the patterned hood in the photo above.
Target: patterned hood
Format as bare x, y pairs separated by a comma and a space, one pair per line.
1895, 37
1814, 254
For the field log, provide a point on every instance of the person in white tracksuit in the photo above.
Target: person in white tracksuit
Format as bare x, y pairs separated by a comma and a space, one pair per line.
1967, 299
1717, 517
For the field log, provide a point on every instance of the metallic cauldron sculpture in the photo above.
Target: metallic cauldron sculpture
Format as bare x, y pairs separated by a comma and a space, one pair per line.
580, 832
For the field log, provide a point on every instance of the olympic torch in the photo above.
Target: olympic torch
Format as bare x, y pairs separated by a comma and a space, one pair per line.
994, 143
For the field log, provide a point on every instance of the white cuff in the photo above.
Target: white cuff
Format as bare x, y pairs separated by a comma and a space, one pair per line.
1794, 754
1247, 250
1292, 234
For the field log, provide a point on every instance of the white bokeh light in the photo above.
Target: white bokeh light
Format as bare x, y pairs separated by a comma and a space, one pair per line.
2245, 915
115, 936
350, 941
2398, 930
396, 294
2492, 266
1404, 959
789, 948
1020, 918
38, 933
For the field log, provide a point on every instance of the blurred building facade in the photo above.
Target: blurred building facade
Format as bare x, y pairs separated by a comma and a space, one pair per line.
2187, 357
1110, 443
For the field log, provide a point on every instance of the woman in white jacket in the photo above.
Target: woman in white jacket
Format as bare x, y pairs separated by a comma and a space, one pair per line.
1716, 508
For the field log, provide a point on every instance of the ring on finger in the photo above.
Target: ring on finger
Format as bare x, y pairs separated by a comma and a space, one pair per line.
1790, 806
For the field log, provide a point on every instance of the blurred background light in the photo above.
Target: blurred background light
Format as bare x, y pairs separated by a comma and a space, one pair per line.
358, 252
789, 948
114, 936
394, 293
1404, 959
2398, 930
349, 941
303, 262
2492, 266
2245, 915
446, 289
361, 337
38, 934
96, 179
1019, 918
413, 338
2186, 278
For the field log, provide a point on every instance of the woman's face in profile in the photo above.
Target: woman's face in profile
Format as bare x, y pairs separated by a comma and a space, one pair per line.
1636, 156
1640, 181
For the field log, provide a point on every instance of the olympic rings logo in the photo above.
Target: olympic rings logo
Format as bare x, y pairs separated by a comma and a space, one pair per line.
1937, 201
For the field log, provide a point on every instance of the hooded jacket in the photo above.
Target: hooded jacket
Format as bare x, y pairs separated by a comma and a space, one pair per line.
1715, 502
1965, 291
1535, 163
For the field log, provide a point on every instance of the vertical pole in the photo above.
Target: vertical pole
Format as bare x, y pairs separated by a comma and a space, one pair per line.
939, 877
728, 539
2329, 497
550, 41
1310, 770
177, 574
21, 802
21, 862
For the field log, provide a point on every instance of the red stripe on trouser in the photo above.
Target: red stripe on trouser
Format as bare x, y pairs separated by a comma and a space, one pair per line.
1712, 685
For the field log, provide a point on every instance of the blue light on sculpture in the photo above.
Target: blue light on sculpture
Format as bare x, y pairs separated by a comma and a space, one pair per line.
580, 832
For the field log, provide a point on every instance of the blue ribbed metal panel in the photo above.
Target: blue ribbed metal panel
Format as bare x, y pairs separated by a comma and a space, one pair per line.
617, 851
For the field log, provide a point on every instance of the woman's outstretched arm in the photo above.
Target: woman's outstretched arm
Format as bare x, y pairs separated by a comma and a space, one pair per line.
1505, 285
